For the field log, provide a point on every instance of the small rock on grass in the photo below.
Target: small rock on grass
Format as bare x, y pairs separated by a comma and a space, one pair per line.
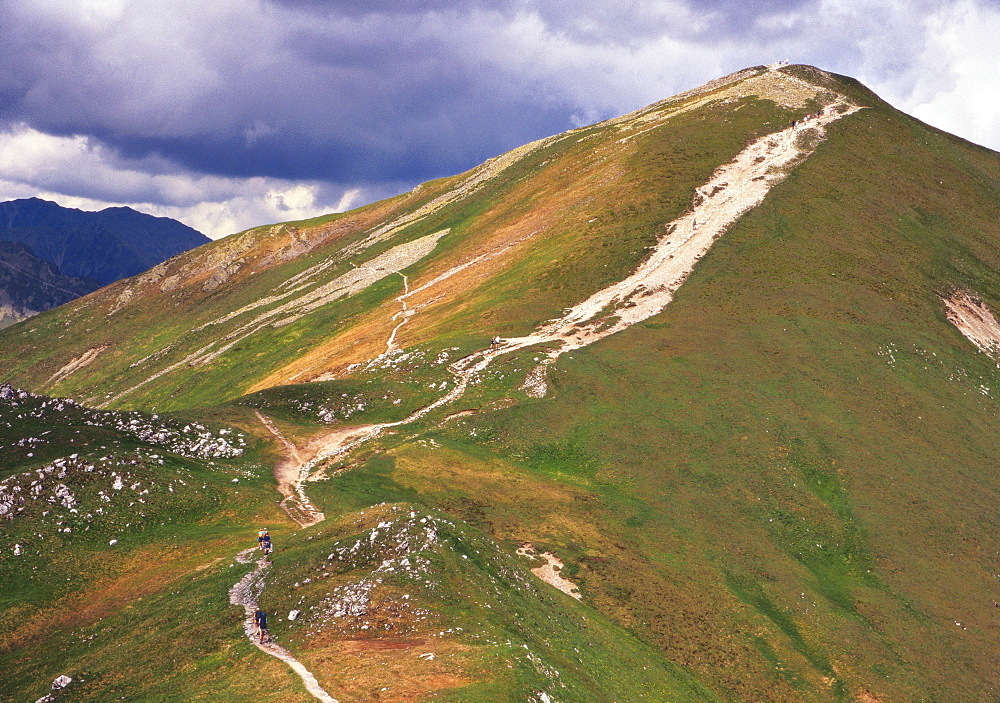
61, 682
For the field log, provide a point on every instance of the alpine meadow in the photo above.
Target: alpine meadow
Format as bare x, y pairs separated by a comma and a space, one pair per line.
694, 404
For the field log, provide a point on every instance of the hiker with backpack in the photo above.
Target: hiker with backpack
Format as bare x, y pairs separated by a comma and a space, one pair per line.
266, 545
260, 621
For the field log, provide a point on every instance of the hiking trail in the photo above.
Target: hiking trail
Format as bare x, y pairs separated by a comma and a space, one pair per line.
403, 315
246, 592
288, 474
734, 189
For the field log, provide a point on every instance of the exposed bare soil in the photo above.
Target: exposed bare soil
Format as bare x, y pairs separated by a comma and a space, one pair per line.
975, 321
549, 571
288, 472
734, 189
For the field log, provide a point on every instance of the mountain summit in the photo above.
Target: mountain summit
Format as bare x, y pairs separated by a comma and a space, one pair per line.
572, 213
698, 403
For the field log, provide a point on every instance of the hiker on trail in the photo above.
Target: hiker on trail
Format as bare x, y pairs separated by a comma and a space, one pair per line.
261, 536
260, 621
266, 546
495, 341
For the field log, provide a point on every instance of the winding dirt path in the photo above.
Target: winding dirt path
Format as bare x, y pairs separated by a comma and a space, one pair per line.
300, 303
288, 472
246, 592
734, 189
405, 314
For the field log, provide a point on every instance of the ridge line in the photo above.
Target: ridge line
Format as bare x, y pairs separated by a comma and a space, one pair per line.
734, 189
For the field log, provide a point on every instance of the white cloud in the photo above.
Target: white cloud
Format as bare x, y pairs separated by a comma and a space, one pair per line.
957, 82
597, 79
80, 172
936, 59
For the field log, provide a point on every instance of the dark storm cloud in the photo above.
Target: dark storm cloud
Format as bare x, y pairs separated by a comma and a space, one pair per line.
351, 96
311, 89
302, 90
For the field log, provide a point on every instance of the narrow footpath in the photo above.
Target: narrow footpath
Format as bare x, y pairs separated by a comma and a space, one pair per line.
245, 593
288, 474
734, 189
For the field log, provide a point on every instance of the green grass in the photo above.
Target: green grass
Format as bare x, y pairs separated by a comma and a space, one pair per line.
138, 618
583, 242
476, 604
731, 455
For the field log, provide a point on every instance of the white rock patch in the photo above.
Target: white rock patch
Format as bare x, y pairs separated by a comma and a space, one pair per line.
974, 320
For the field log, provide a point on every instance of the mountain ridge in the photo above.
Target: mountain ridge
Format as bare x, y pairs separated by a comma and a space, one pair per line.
106, 245
224, 261
29, 285
779, 486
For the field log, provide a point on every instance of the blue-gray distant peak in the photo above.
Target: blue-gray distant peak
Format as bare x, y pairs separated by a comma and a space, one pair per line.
29, 285
114, 243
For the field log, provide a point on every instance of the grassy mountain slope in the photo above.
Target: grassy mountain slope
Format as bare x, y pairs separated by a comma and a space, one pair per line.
780, 488
536, 231
119, 554
119, 530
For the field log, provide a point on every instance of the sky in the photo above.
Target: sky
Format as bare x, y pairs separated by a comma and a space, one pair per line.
227, 114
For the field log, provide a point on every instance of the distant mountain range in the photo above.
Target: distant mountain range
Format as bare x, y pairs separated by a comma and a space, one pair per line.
29, 285
50, 254
109, 245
